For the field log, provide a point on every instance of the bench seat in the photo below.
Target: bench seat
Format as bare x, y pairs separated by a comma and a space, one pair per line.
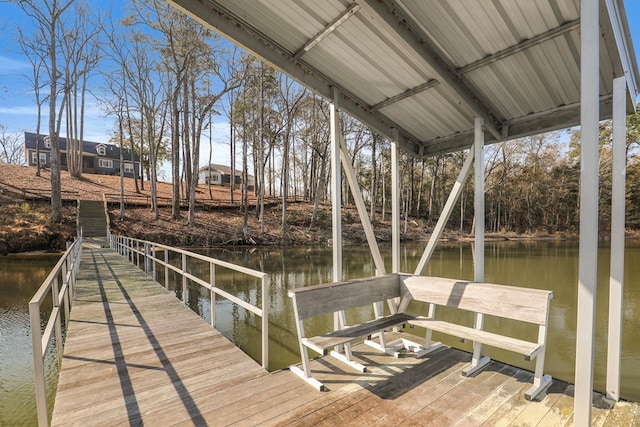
321, 343
529, 349
510, 302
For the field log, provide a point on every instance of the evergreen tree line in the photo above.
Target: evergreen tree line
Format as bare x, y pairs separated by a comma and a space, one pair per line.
166, 79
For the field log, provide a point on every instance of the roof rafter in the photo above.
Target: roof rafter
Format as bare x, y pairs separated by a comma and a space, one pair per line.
533, 41
327, 30
406, 94
547, 121
393, 15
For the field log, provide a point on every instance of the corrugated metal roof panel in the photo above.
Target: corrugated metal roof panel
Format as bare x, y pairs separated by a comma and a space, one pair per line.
375, 65
427, 68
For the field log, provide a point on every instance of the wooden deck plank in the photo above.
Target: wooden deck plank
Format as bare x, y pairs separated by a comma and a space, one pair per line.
451, 406
532, 412
622, 414
493, 401
136, 355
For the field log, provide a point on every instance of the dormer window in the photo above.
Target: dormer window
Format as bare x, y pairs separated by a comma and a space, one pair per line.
101, 150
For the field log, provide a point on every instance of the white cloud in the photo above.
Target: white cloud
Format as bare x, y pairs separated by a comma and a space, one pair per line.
11, 65
20, 110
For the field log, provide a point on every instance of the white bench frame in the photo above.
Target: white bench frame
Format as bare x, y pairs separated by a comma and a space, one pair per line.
521, 304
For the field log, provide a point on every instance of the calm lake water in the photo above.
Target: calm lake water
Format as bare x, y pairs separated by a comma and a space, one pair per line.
20, 277
546, 265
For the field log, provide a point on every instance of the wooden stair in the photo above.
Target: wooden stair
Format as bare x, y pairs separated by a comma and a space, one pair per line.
92, 219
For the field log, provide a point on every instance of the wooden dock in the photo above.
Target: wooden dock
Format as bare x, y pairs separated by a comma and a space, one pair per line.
135, 355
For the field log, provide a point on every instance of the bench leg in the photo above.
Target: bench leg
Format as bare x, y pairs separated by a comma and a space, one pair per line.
476, 365
348, 359
308, 379
540, 381
305, 372
392, 348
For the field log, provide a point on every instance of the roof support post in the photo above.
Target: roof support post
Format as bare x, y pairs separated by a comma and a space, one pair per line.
336, 188
478, 203
477, 361
336, 200
446, 211
616, 279
588, 259
395, 206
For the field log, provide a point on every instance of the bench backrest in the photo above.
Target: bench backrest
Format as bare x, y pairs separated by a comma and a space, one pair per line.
316, 300
524, 304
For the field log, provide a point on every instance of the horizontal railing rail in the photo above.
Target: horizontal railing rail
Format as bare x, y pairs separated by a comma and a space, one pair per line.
60, 283
143, 254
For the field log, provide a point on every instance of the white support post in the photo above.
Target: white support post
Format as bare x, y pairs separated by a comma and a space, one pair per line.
616, 279
477, 360
446, 211
395, 206
478, 204
336, 200
588, 247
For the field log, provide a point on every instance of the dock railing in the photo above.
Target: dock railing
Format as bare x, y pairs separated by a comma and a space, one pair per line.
60, 283
143, 254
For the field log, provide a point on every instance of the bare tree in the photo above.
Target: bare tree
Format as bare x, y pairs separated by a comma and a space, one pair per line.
47, 18
81, 55
291, 96
32, 48
12, 147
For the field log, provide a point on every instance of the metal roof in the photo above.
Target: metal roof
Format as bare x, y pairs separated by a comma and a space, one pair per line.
422, 70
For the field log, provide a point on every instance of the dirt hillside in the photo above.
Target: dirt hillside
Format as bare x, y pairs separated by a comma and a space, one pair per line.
24, 224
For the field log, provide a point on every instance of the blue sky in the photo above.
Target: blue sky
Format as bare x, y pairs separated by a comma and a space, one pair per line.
18, 113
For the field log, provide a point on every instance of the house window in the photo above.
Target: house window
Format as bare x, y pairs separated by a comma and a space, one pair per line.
34, 158
128, 168
101, 150
47, 141
215, 178
104, 163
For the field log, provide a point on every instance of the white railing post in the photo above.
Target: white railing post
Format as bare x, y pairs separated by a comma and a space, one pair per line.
67, 272
147, 259
212, 281
38, 364
152, 259
184, 278
56, 307
166, 268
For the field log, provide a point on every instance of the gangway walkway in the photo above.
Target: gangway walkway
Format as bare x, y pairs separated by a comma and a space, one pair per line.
134, 353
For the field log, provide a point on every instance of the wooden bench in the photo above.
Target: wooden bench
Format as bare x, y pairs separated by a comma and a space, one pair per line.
314, 301
509, 302
521, 304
